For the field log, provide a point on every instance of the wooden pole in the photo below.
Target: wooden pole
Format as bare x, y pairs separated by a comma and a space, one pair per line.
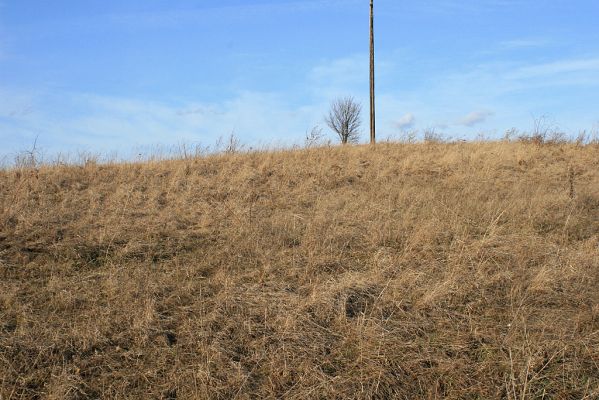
372, 113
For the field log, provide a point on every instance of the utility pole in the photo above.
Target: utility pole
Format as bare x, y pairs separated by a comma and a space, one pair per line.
372, 123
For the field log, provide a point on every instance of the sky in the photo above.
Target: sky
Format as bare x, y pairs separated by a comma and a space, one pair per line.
110, 76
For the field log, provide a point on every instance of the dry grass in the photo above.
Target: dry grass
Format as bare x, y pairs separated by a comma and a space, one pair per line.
457, 271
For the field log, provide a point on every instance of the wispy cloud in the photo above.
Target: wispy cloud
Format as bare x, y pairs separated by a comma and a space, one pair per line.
524, 43
567, 66
215, 11
345, 76
464, 7
16, 104
339, 75
407, 121
105, 123
475, 118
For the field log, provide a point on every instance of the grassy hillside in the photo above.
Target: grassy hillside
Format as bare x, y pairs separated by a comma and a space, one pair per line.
421, 271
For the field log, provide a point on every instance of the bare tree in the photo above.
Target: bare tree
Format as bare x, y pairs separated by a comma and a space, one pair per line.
344, 118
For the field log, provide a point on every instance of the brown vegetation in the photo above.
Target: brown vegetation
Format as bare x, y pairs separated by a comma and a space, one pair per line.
458, 271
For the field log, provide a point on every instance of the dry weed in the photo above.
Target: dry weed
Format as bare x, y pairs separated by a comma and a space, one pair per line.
434, 270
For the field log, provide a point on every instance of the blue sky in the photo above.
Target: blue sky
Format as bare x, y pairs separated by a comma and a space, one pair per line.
107, 76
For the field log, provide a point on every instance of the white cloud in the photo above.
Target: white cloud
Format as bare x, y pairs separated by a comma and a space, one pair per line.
105, 123
16, 104
523, 43
102, 123
336, 77
208, 12
407, 121
347, 75
559, 67
475, 118
460, 7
